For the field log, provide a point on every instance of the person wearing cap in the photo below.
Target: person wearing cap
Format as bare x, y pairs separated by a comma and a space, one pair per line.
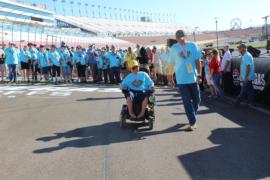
12, 59
25, 57
130, 56
54, 59
79, 58
43, 61
185, 63
247, 75
33, 60
137, 83
114, 61
64, 61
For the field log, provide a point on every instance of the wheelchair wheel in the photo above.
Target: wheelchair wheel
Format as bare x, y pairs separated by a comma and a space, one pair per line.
123, 117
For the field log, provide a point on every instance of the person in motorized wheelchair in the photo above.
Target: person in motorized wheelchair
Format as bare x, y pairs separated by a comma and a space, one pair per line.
137, 87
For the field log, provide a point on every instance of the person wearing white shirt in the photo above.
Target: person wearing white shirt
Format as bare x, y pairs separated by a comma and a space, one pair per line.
226, 71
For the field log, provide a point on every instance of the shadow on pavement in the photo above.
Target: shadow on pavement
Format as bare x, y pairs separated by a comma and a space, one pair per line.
101, 98
104, 134
241, 153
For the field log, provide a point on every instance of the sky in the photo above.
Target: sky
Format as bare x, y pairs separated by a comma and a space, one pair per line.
191, 13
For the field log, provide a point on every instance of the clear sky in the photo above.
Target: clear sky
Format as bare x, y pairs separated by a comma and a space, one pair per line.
191, 13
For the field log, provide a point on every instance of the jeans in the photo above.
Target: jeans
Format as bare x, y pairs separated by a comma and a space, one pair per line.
191, 98
246, 90
12, 72
219, 90
227, 82
115, 75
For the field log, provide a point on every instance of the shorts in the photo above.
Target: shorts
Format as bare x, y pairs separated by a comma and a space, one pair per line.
35, 68
25, 65
56, 71
81, 70
136, 96
2, 66
209, 79
46, 70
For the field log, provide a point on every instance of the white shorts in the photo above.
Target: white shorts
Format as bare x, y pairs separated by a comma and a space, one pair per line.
209, 79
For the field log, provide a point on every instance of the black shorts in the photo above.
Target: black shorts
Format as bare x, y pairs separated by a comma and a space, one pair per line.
35, 68
25, 65
137, 96
56, 71
46, 70
81, 70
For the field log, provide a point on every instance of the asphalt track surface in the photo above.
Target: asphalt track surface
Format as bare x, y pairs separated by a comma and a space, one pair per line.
76, 136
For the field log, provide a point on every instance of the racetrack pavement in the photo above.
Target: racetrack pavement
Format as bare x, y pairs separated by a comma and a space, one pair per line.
50, 135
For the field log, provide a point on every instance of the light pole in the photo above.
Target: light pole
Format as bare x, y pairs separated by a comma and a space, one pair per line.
71, 3
64, 9
80, 13
266, 30
86, 9
194, 33
93, 10
54, 4
216, 20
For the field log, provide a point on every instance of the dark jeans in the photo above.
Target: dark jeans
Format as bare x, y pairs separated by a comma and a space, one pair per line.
115, 75
105, 75
191, 98
227, 82
12, 72
246, 90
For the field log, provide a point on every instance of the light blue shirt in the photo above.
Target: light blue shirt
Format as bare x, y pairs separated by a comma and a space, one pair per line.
113, 59
123, 57
184, 59
12, 55
138, 82
65, 57
24, 56
54, 57
80, 57
43, 59
100, 62
247, 59
33, 53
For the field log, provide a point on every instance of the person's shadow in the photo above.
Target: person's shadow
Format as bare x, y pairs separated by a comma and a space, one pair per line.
240, 153
104, 134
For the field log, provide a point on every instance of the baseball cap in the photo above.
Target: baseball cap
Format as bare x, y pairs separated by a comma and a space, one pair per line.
180, 34
134, 63
242, 46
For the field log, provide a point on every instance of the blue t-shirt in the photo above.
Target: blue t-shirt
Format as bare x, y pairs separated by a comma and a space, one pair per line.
247, 59
54, 57
12, 56
138, 82
123, 57
43, 59
24, 56
79, 57
33, 53
184, 59
100, 62
65, 57
113, 59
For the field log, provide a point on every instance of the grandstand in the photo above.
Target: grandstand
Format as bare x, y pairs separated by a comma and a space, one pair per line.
120, 28
23, 23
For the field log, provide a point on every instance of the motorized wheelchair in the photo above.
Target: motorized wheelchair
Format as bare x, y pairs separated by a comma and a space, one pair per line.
149, 116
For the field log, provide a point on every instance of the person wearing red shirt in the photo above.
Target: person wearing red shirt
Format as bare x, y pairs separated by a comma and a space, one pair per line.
215, 67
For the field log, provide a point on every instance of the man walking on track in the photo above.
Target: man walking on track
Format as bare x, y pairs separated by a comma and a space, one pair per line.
185, 63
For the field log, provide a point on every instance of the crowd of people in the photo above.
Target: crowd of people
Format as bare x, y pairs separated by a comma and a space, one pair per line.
78, 64
183, 65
